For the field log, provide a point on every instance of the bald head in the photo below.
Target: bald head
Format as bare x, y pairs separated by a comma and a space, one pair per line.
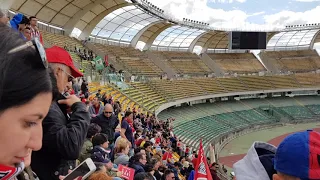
108, 110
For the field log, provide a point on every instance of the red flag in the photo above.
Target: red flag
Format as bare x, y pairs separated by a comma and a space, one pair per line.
202, 171
106, 60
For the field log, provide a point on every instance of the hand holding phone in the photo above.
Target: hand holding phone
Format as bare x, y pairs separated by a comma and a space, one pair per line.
83, 171
70, 100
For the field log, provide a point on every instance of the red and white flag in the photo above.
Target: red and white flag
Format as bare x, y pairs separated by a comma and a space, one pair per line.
202, 171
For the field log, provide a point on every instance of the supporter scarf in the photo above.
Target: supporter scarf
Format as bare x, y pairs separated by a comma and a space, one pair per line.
10, 173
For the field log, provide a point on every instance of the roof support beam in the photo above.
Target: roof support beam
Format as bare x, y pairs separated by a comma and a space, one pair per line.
76, 18
90, 26
6, 4
137, 36
194, 42
207, 44
154, 36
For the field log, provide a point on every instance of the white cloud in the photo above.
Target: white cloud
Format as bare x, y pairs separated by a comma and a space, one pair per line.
235, 18
293, 18
258, 13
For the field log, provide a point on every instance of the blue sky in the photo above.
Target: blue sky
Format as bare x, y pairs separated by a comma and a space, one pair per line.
244, 13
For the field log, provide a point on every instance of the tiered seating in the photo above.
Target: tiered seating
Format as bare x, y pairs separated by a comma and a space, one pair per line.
125, 101
145, 96
314, 108
256, 82
210, 120
283, 82
61, 40
186, 63
308, 79
232, 84
295, 61
298, 112
237, 62
177, 89
133, 60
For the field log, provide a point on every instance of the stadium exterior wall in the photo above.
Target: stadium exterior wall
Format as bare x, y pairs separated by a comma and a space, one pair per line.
181, 101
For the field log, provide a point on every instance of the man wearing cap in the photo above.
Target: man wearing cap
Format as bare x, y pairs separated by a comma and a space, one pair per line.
298, 157
63, 133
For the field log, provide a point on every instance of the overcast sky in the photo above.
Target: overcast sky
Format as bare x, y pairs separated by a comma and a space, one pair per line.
244, 13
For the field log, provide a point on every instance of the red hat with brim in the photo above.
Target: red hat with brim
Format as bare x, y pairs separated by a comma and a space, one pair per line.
57, 54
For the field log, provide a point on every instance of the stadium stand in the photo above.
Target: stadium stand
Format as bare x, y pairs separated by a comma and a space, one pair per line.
295, 61
191, 76
237, 62
210, 120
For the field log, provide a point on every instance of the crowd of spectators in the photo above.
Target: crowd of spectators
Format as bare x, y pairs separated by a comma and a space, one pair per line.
59, 126
84, 54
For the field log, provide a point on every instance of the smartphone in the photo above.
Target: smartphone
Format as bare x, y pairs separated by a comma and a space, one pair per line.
83, 171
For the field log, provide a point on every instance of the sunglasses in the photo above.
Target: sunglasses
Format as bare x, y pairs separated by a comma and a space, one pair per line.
108, 112
35, 44
70, 77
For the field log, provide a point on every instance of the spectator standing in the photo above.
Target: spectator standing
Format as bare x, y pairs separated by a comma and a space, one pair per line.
19, 22
75, 87
35, 33
63, 133
27, 33
25, 98
126, 128
96, 108
108, 122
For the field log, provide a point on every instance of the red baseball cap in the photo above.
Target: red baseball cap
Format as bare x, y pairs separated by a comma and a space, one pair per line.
57, 54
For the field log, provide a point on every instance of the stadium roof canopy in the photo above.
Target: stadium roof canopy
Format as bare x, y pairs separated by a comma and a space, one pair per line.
123, 24
292, 39
177, 36
130, 21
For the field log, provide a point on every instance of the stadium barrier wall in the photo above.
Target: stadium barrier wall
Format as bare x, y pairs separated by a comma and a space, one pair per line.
181, 101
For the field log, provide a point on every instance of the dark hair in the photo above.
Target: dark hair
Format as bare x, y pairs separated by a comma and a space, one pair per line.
127, 114
143, 176
136, 157
148, 167
22, 74
181, 157
93, 130
137, 150
146, 144
31, 17
166, 173
24, 20
99, 139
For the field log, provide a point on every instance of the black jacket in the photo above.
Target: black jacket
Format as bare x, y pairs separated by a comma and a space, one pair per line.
108, 125
63, 139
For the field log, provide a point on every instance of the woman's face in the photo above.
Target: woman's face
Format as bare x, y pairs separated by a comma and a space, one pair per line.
21, 130
126, 151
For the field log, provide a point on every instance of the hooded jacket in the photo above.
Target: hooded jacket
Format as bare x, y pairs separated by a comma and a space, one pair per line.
16, 20
257, 164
